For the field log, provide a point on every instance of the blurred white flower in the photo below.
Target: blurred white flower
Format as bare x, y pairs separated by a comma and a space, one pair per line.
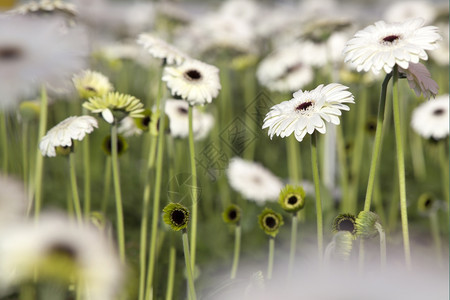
160, 49
431, 119
13, 201
441, 54
34, 52
403, 10
419, 79
60, 250
63, 134
177, 111
124, 51
127, 127
245, 10
308, 111
383, 45
196, 82
253, 181
285, 70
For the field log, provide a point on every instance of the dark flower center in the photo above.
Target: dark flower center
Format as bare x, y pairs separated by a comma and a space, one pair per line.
346, 225
292, 200
232, 214
428, 203
193, 75
438, 112
90, 88
304, 106
146, 121
294, 68
10, 53
63, 249
182, 110
270, 222
390, 39
178, 217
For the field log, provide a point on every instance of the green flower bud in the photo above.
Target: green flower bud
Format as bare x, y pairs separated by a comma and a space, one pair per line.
345, 222
292, 198
64, 150
122, 145
426, 204
366, 224
232, 214
176, 216
270, 221
343, 245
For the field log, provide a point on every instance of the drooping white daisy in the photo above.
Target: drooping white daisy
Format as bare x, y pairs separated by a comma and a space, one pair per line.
177, 111
160, 49
253, 181
405, 10
34, 52
285, 70
431, 119
308, 111
383, 45
63, 134
13, 201
419, 79
62, 251
196, 82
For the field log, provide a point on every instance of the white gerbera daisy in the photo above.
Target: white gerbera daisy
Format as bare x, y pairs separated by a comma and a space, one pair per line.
307, 111
13, 201
431, 119
63, 134
160, 49
196, 82
60, 250
383, 45
253, 181
177, 111
35, 52
285, 70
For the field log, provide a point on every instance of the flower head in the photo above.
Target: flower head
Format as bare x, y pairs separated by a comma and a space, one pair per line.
232, 214
383, 45
63, 134
343, 244
307, 111
92, 84
345, 222
160, 49
419, 79
427, 204
292, 198
270, 222
431, 119
115, 105
176, 216
196, 82
122, 145
366, 224
253, 181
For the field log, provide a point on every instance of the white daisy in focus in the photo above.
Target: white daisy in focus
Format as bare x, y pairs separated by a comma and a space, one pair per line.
285, 70
34, 52
383, 45
13, 201
404, 10
160, 49
308, 111
419, 79
63, 134
62, 251
196, 82
431, 119
177, 111
253, 181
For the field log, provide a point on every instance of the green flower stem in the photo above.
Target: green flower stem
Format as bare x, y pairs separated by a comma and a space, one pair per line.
343, 172
434, 224
194, 190
25, 152
27, 292
73, 183
361, 256
377, 143
293, 157
382, 245
401, 168
378, 201
418, 159
249, 96
39, 158
87, 177
156, 203
106, 185
118, 193
144, 221
271, 255
192, 295
237, 250
293, 243
4, 140
315, 170
171, 272
445, 171
355, 167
